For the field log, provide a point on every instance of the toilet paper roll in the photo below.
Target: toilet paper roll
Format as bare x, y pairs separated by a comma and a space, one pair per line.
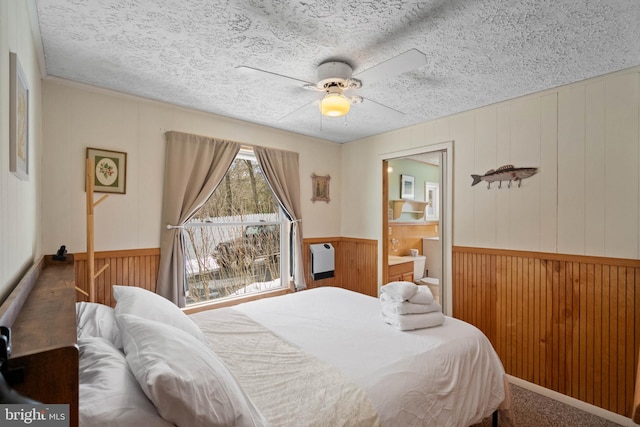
414, 252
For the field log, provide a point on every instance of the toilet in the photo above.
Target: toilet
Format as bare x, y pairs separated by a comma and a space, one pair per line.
419, 278
433, 281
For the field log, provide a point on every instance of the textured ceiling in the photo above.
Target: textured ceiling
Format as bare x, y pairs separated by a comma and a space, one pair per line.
478, 52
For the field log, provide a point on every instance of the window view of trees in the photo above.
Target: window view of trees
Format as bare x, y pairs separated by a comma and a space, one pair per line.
233, 243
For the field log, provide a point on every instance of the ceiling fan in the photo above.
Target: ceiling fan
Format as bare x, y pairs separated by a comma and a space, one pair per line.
335, 78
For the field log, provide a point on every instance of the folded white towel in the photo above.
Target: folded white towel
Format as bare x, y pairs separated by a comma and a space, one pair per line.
399, 291
422, 296
404, 307
410, 322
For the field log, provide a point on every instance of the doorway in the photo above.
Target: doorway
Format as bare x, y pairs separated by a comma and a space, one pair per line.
430, 207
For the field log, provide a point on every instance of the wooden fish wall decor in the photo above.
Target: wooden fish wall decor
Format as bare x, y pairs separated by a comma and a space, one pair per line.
504, 173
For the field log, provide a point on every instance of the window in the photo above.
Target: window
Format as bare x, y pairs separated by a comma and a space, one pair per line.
237, 242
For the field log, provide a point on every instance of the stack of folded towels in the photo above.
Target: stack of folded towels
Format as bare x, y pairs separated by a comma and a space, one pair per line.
408, 306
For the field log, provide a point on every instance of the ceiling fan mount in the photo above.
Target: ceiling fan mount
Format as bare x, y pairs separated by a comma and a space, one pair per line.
334, 74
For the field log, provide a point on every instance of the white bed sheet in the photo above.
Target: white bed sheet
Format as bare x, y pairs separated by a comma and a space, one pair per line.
447, 375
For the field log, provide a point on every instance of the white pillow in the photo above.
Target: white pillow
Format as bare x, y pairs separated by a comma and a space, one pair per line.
97, 320
187, 382
110, 396
148, 305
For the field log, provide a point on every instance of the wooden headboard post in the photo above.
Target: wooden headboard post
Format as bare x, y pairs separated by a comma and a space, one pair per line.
11, 307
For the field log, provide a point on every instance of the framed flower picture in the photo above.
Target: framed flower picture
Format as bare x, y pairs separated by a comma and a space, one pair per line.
110, 170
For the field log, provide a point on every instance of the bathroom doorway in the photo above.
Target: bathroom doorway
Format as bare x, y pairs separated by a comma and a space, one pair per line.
417, 204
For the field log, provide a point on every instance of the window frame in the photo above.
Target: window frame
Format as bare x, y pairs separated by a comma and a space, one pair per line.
284, 224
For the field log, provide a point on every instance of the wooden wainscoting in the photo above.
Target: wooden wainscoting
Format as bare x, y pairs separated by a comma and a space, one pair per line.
356, 263
356, 268
567, 323
135, 267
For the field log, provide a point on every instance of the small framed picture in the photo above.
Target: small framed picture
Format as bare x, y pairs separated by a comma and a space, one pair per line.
110, 175
18, 119
407, 187
432, 197
320, 188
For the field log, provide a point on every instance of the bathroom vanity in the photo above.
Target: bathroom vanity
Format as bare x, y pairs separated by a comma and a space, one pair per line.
412, 269
407, 268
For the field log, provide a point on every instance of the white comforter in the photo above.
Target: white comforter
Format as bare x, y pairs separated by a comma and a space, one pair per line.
289, 386
443, 376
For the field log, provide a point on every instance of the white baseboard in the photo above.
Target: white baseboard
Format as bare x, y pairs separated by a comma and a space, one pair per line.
595, 410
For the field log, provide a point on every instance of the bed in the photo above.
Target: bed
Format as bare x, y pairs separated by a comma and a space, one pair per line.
318, 357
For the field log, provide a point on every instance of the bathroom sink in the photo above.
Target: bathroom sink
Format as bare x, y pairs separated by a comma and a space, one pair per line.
396, 259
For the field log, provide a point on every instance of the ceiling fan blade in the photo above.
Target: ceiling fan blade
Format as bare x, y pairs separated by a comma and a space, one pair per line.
299, 109
377, 108
410, 60
250, 71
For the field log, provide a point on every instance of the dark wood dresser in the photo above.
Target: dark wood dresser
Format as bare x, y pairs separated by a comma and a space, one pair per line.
44, 337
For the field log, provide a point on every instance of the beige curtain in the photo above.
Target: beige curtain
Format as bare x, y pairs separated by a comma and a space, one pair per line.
194, 166
282, 173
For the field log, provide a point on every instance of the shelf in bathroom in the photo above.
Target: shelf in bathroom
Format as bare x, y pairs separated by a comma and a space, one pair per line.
416, 207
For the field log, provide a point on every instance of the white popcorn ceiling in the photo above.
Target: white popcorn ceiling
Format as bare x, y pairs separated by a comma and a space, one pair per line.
185, 52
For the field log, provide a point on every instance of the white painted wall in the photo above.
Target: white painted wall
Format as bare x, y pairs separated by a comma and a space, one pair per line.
584, 137
20, 241
78, 116
584, 200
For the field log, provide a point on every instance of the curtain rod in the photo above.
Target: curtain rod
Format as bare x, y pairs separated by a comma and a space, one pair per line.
231, 223
244, 145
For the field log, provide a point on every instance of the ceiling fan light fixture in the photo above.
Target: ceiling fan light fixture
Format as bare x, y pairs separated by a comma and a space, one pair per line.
334, 105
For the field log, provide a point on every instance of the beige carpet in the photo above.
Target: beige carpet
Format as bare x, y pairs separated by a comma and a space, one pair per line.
531, 409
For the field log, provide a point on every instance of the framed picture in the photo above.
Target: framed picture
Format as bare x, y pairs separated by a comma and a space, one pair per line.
407, 187
18, 119
320, 188
432, 197
110, 170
